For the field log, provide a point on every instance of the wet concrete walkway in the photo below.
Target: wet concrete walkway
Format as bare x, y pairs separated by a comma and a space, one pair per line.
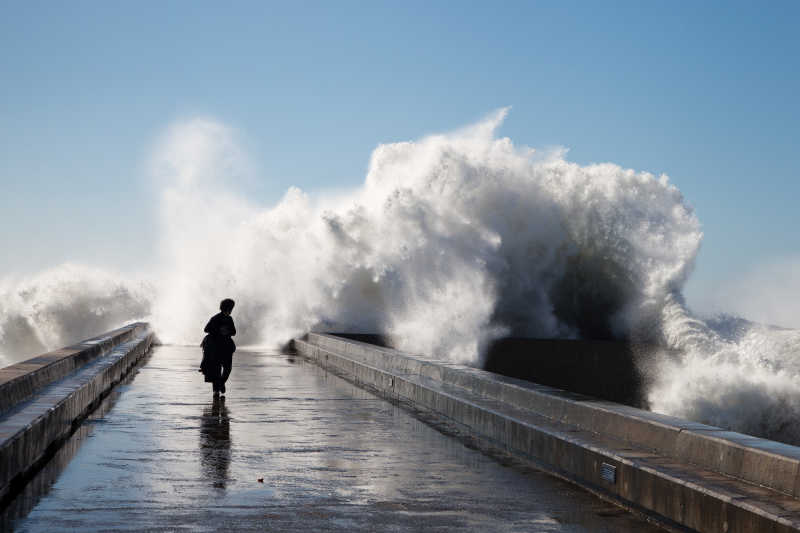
291, 448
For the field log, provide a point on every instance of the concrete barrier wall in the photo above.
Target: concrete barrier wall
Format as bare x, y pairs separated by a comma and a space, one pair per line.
684, 473
45, 396
610, 370
20, 381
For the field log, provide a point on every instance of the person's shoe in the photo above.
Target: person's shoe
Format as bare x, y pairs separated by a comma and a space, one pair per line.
216, 393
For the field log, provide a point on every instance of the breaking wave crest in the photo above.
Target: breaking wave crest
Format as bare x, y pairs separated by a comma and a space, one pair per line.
452, 241
63, 305
730, 373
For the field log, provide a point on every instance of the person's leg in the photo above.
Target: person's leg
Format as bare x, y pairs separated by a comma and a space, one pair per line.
227, 362
217, 370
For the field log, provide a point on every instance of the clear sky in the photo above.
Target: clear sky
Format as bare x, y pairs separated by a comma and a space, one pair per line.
706, 92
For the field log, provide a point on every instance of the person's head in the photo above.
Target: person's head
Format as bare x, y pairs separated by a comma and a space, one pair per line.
226, 306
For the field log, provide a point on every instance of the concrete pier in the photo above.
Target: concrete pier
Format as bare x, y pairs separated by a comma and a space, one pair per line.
417, 445
42, 398
292, 447
682, 473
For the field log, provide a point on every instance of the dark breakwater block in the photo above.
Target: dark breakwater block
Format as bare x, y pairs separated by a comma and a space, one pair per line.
370, 338
611, 370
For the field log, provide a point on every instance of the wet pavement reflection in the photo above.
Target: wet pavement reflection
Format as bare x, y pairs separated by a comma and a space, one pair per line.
215, 442
290, 448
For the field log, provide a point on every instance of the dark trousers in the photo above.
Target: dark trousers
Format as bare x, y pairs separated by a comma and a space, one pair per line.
220, 371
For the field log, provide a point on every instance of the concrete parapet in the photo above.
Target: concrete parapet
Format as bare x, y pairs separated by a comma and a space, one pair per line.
684, 473
44, 396
20, 381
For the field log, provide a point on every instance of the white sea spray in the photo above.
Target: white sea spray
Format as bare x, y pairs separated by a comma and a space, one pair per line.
453, 240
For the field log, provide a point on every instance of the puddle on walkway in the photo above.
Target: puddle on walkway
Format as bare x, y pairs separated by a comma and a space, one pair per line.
290, 448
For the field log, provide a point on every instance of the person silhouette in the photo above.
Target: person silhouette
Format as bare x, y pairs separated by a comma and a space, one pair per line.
218, 347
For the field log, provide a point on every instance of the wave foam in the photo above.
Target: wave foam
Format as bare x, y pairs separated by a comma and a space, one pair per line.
63, 305
452, 241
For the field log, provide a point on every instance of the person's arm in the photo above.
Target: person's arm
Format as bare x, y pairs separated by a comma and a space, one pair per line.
226, 326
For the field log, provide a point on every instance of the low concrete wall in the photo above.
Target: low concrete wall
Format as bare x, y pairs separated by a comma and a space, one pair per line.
685, 474
20, 381
44, 396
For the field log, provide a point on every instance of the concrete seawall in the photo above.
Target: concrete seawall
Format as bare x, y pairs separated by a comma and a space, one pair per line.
685, 474
43, 397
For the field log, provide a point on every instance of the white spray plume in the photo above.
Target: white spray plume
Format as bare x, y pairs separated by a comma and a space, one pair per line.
452, 241
730, 373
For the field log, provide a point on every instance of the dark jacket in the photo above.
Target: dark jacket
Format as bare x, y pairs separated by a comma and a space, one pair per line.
218, 344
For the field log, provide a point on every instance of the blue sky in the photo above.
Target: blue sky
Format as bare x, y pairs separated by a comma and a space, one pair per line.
705, 92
